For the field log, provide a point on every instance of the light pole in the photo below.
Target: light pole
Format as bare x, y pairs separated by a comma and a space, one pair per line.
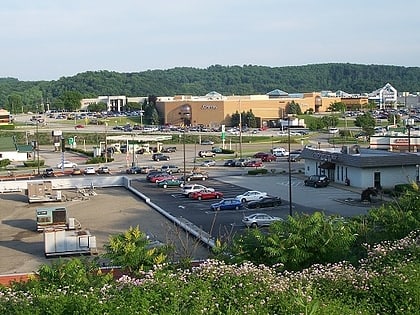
37, 144
290, 168
184, 119
409, 123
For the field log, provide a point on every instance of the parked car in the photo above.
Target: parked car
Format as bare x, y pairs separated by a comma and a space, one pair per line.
294, 156
147, 169
279, 152
90, 170
195, 176
207, 142
217, 150
160, 157
169, 150
206, 154
154, 173
259, 219
103, 170
268, 201
76, 171
259, 155
170, 182
48, 172
317, 181
241, 162
268, 157
251, 195
67, 164
170, 169
208, 163
206, 194
229, 163
254, 163
227, 204
160, 177
188, 189
133, 170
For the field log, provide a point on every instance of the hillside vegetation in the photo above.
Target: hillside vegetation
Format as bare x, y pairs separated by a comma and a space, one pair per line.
227, 80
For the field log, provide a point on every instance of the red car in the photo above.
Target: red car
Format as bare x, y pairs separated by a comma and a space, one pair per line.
254, 163
160, 177
206, 194
259, 155
267, 157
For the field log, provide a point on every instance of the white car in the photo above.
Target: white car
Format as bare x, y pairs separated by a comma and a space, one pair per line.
208, 163
193, 188
251, 195
89, 170
67, 164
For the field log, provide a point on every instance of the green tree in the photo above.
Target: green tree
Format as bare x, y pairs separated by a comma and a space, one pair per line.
330, 121
97, 107
14, 103
394, 119
297, 243
132, 251
366, 122
337, 107
71, 100
293, 108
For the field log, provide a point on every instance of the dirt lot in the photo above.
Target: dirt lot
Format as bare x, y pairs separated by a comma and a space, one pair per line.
111, 211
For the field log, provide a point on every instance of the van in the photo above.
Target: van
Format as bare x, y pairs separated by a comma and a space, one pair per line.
279, 152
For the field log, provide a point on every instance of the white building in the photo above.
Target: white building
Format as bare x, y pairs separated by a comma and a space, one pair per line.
363, 167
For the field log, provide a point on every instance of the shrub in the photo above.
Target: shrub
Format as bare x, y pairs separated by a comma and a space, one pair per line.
98, 160
34, 163
4, 162
258, 171
403, 188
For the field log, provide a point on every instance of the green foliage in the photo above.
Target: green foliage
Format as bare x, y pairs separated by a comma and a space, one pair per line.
247, 119
7, 127
330, 121
314, 123
98, 160
229, 80
33, 163
258, 171
337, 107
4, 162
366, 122
297, 242
132, 251
394, 119
97, 107
293, 108
71, 100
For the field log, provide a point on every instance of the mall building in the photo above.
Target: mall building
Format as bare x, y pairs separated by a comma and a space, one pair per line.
215, 109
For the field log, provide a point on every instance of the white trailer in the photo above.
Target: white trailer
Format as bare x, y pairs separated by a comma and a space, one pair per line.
60, 242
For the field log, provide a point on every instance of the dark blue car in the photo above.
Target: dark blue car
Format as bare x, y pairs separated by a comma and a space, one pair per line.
227, 204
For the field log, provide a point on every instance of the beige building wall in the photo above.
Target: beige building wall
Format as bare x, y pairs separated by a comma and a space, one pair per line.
215, 112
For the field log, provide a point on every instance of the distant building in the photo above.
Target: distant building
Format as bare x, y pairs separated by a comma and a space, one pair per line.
12, 151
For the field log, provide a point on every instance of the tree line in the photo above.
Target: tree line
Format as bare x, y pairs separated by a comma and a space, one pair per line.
22, 96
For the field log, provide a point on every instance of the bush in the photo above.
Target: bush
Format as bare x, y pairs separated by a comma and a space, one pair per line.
98, 160
4, 162
227, 151
258, 171
34, 163
403, 188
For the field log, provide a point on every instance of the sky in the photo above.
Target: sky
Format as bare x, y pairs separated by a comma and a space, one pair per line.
50, 39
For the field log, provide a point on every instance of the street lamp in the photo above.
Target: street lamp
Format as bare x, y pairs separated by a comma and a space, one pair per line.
290, 168
409, 123
184, 117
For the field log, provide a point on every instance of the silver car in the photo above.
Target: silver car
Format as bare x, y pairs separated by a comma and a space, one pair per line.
259, 219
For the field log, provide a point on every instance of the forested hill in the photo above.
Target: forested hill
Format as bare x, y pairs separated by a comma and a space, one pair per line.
227, 80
